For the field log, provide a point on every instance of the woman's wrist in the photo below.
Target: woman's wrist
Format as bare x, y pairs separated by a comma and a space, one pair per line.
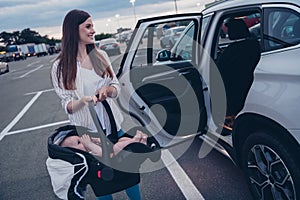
75, 105
111, 91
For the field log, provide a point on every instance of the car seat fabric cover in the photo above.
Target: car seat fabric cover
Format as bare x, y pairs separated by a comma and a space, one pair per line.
61, 173
72, 169
237, 64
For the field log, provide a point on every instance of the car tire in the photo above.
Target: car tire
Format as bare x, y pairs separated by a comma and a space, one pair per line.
272, 169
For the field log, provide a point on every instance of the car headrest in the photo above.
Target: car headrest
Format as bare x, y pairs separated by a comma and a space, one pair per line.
237, 29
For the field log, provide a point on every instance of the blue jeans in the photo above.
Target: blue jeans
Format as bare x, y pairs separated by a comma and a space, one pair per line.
120, 133
133, 193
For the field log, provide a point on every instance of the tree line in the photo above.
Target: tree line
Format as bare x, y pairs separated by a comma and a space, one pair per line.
30, 36
25, 36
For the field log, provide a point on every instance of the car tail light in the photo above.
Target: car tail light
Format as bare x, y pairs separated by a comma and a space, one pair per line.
115, 45
103, 47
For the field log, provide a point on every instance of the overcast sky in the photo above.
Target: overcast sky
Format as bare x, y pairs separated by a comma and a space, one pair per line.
46, 17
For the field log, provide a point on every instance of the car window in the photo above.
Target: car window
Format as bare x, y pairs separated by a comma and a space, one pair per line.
204, 26
281, 28
148, 47
156, 38
184, 47
252, 21
168, 32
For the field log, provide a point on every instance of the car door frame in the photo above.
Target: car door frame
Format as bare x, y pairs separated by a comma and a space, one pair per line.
138, 108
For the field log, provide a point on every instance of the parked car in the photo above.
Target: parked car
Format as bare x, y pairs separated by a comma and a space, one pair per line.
110, 46
171, 36
179, 94
4, 67
52, 50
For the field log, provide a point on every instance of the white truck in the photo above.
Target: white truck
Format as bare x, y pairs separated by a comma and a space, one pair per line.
40, 49
28, 49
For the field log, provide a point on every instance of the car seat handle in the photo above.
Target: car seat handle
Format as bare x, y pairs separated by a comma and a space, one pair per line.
105, 143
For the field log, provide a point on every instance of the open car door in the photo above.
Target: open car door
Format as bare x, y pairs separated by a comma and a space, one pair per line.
161, 84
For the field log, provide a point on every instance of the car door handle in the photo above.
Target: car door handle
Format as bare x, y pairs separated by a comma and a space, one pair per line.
139, 106
142, 107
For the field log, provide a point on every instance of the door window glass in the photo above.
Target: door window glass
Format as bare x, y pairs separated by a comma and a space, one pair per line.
281, 29
184, 48
252, 21
164, 36
204, 26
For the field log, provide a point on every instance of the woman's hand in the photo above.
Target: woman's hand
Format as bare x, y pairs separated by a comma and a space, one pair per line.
86, 99
104, 92
74, 106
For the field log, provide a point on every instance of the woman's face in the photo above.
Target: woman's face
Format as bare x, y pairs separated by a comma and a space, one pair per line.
86, 32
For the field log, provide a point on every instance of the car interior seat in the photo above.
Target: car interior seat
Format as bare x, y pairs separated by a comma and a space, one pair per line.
237, 63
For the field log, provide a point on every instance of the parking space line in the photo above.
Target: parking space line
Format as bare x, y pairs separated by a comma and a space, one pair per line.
35, 62
29, 72
38, 127
19, 116
47, 90
184, 183
52, 60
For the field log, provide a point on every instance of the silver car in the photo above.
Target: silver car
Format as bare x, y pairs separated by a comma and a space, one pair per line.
4, 67
171, 36
110, 46
239, 93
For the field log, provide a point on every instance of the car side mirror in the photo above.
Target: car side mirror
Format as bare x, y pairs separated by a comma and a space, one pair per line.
163, 55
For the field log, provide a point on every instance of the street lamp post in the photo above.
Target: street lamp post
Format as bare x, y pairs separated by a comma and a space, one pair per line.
175, 2
117, 16
132, 2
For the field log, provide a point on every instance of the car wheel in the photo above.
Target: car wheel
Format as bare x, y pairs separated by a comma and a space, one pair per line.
271, 167
7, 69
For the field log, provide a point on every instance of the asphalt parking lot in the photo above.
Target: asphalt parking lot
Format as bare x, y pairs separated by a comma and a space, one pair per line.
30, 112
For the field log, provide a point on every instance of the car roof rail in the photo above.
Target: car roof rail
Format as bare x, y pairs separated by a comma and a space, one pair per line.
216, 2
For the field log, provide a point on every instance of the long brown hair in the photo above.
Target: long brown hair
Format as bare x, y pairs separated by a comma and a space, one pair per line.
67, 66
100, 64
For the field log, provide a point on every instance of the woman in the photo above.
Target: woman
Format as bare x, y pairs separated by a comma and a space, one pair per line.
81, 72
